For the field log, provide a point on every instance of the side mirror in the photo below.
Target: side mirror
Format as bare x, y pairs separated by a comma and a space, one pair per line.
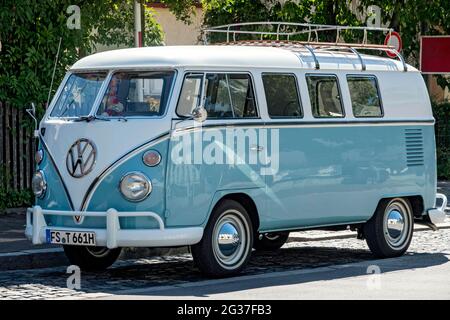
32, 112
199, 114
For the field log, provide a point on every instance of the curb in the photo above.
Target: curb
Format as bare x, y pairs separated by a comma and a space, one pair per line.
55, 257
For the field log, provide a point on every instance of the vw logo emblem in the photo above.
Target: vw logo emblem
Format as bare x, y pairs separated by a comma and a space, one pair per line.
80, 159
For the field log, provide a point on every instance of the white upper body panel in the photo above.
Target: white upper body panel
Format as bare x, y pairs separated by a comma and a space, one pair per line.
404, 94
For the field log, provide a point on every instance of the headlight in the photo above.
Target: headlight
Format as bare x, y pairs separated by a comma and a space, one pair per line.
39, 184
135, 186
38, 156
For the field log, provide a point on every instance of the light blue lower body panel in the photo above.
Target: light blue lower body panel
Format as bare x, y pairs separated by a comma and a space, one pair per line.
338, 175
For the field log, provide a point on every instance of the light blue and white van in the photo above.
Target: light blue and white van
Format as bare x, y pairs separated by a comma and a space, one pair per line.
227, 149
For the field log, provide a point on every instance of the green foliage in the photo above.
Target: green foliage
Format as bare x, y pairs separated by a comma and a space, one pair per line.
442, 115
15, 199
219, 12
30, 33
117, 27
182, 9
10, 198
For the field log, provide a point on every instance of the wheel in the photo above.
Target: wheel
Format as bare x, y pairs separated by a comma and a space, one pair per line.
389, 232
91, 258
227, 241
270, 241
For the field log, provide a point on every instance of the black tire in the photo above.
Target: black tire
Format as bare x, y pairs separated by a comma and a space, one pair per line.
91, 258
389, 232
224, 259
270, 241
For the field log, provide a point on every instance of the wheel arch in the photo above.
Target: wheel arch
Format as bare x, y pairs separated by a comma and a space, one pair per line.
245, 200
416, 202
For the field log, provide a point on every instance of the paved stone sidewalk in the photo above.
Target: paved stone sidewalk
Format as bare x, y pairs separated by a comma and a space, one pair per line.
173, 270
12, 238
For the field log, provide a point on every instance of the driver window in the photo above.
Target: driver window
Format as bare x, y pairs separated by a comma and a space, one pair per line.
282, 95
136, 94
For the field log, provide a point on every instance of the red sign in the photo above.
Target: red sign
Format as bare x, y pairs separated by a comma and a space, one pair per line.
435, 54
393, 39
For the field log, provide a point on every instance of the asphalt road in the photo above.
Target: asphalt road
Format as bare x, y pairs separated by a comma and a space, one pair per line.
416, 276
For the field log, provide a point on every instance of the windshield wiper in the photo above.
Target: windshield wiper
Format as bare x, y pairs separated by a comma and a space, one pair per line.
90, 118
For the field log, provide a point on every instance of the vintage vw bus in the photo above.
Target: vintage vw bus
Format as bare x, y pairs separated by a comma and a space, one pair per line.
229, 148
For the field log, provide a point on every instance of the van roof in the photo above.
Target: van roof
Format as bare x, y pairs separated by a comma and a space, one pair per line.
220, 56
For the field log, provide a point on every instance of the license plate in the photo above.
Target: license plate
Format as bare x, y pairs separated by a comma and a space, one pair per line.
71, 237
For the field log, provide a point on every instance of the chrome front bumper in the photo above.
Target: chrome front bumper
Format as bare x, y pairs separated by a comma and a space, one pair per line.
113, 236
437, 215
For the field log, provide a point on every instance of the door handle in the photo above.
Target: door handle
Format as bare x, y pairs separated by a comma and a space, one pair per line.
257, 148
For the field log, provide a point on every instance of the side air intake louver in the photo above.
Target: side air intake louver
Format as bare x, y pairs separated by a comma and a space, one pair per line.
414, 147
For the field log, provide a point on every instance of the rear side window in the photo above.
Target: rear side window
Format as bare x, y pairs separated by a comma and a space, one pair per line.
281, 95
365, 96
325, 96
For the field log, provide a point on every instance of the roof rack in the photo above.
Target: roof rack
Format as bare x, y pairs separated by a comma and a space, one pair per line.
284, 31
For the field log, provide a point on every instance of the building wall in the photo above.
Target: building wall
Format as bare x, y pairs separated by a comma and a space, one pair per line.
177, 32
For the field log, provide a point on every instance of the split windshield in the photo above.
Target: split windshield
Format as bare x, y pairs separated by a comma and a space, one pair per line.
128, 94
78, 95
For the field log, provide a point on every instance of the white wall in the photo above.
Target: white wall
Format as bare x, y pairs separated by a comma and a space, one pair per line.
176, 32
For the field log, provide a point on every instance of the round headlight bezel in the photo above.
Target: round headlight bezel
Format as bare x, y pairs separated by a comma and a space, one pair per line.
138, 177
43, 184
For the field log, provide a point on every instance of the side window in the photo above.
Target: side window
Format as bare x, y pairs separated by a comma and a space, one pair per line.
365, 96
190, 95
226, 95
229, 96
325, 96
281, 95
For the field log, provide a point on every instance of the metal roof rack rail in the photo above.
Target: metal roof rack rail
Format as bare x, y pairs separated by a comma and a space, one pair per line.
287, 30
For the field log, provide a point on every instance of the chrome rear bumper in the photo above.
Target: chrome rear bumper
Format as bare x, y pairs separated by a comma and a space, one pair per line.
437, 215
